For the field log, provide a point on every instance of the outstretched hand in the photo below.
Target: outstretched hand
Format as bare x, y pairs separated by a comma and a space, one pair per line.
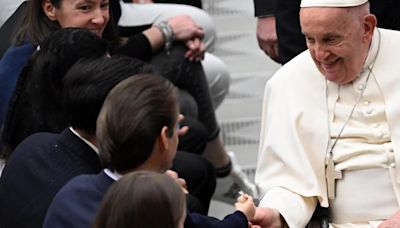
245, 204
266, 218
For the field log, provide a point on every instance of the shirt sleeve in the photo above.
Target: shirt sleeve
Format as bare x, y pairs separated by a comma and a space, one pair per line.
264, 7
301, 208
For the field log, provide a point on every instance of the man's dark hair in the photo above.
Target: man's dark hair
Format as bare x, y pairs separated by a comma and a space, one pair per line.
132, 118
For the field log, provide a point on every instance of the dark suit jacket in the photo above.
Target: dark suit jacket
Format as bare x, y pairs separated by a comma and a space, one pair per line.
76, 204
36, 170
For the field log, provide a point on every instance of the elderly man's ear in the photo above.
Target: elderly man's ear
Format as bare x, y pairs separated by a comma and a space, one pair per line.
370, 23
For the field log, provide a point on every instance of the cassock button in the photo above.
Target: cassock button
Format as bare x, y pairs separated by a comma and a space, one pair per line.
367, 103
392, 165
376, 125
381, 134
360, 87
368, 111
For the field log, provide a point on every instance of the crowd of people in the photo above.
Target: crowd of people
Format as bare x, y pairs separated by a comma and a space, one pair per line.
107, 116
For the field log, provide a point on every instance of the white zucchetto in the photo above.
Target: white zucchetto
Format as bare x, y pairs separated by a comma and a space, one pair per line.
331, 3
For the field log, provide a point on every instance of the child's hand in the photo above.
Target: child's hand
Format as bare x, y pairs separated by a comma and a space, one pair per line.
246, 205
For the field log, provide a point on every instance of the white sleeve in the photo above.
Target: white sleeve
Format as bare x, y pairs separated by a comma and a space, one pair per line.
295, 209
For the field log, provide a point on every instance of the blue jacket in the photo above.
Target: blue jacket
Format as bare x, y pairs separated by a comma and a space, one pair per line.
11, 65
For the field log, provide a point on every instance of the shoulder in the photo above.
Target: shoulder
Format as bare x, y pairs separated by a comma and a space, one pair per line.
73, 205
77, 185
388, 57
389, 39
33, 146
296, 75
17, 53
29, 157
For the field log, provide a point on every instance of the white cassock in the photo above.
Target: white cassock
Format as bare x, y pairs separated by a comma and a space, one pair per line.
302, 113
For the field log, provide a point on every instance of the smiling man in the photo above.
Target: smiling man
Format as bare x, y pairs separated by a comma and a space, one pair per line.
330, 132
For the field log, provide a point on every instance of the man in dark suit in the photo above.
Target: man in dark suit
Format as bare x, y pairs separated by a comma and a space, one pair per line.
278, 25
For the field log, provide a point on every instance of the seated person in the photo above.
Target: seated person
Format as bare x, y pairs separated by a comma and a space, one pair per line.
46, 161
329, 133
139, 197
178, 64
37, 103
137, 129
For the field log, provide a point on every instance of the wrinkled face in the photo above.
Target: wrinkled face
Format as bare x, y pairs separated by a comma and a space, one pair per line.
89, 14
338, 41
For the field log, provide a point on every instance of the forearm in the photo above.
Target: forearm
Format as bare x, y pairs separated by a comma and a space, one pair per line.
155, 38
137, 46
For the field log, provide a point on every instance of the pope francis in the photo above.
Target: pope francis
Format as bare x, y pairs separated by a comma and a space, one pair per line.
330, 131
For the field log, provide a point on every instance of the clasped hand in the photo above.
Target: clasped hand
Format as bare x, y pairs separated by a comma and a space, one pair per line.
187, 31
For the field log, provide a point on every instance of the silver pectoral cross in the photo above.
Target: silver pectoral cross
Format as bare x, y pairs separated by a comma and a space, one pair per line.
331, 176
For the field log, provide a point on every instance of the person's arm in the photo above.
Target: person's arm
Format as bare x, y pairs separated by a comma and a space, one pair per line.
275, 202
185, 30
245, 204
137, 46
267, 38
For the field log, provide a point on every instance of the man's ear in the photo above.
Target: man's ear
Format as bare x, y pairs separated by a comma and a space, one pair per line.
164, 137
49, 10
370, 23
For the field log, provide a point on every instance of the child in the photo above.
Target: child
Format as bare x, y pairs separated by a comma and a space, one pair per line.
154, 200
143, 199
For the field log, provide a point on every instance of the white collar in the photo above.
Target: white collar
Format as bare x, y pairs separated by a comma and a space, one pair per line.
113, 175
85, 140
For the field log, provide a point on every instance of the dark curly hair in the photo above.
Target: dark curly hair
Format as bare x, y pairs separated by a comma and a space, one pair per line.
36, 104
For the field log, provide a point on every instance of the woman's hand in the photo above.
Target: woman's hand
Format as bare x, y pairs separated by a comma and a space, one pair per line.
185, 28
196, 49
